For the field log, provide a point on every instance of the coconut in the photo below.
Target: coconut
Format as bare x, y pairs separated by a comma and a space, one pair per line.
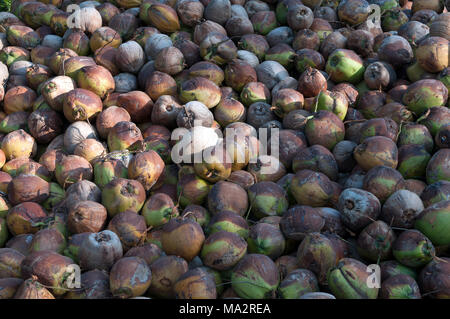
264, 21
14, 121
125, 82
8, 18
95, 285
160, 83
49, 158
439, 26
190, 12
437, 168
169, 60
299, 17
48, 239
266, 239
125, 24
379, 75
437, 6
200, 89
21, 218
317, 158
72, 169
215, 165
255, 43
37, 74
22, 36
77, 132
4, 75
72, 65
107, 11
325, 128
11, 54
158, 210
281, 53
17, 144
144, 73
190, 50
322, 27
57, 143
81, 191
219, 244
432, 278
413, 249
306, 39
169, 268
254, 92
353, 12
255, 276
333, 101
55, 90
296, 120
76, 40
187, 248
90, 21
163, 17
425, 16
385, 148
229, 111
100, 251
137, 104
237, 10
207, 70
279, 35
254, 6
311, 82
55, 61
350, 269
165, 111
286, 83
395, 50
436, 61
394, 19
32, 289
305, 58
58, 22
122, 277
143, 33
90, 149
130, 57
19, 98
81, 104
40, 54
146, 167
401, 209
259, 113
248, 57
129, 227
45, 125
382, 181
96, 79
16, 80
122, 135
218, 11
206, 27
414, 31
217, 48
433, 93
104, 37
270, 73
239, 26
